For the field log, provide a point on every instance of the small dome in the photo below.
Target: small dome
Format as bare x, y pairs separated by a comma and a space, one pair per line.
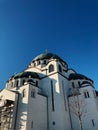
47, 56
78, 76
26, 75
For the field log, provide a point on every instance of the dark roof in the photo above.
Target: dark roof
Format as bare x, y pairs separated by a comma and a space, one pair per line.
26, 75
78, 76
47, 56
86, 82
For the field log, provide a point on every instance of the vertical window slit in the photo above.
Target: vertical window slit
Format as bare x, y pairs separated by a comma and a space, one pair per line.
93, 123
52, 95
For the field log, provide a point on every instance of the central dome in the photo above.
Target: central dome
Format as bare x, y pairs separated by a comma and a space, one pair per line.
47, 56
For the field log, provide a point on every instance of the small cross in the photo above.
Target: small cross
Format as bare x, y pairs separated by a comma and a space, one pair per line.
46, 51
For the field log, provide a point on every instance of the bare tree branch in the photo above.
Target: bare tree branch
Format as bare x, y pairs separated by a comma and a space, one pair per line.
77, 106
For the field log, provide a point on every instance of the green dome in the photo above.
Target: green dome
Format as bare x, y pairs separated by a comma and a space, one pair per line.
78, 76
26, 75
47, 56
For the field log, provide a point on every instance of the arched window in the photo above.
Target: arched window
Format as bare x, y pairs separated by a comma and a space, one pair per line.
44, 61
17, 83
60, 69
93, 123
24, 93
51, 68
32, 124
36, 83
30, 81
38, 63
33, 93
86, 94
23, 82
79, 84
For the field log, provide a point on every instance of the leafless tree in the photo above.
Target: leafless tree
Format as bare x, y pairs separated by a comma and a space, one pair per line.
77, 105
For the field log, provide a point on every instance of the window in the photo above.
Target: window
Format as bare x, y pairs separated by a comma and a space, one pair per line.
60, 69
33, 93
30, 81
73, 85
79, 84
32, 124
38, 63
86, 94
24, 93
36, 83
51, 68
17, 83
52, 95
53, 122
23, 82
44, 61
93, 123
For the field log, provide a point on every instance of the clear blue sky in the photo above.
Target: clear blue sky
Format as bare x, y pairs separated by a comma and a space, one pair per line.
68, 28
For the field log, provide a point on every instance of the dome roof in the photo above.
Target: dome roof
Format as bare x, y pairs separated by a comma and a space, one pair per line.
47, 56
78, 76
26, 75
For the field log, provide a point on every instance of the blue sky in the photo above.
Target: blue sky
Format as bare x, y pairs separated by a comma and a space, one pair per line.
65, 27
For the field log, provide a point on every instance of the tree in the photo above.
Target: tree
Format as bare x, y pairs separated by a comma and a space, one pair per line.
77, 105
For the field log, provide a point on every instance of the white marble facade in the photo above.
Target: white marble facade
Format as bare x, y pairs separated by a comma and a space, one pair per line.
48, 95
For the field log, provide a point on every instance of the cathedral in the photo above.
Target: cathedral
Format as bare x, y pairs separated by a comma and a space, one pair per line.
48, 95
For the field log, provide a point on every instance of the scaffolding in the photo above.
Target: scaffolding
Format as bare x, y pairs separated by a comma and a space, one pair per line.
6, 115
